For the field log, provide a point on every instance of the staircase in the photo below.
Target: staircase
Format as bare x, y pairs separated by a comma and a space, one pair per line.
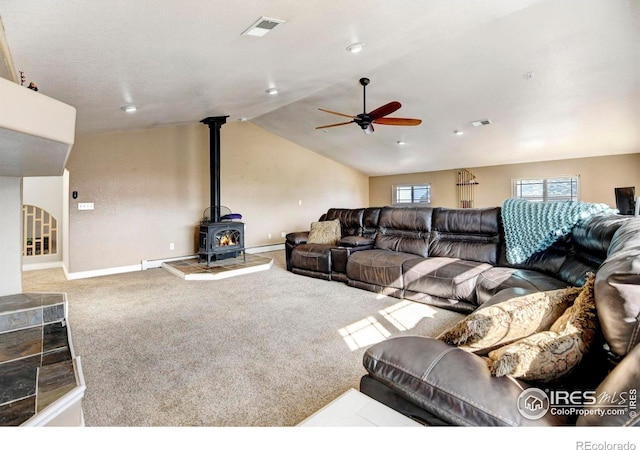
41, 382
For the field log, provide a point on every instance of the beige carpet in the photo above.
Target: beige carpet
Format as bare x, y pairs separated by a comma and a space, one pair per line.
264, 349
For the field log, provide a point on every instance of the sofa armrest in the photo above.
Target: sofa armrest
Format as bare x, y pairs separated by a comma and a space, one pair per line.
356, 241
449, 383
617, 392
297, 237
340, 256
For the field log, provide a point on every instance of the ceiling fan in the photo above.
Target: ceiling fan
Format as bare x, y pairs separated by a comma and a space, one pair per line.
377, 116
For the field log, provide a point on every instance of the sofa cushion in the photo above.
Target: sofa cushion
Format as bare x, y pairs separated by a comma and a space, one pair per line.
469, 234
549, 355
404, 229
325, 232
549, 261
416, 218
370, 219
443, 277
492, 281
312, 257
449, 383
408, 242
493, 326
591, 239
378, 267
350, 219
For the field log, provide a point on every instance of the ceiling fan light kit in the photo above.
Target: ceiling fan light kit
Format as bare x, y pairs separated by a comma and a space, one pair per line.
377, 116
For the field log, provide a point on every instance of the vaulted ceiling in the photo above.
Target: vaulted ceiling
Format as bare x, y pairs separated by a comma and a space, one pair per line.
557, 79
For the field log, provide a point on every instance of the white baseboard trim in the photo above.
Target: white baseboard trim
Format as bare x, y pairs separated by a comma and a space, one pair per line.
152, 264
39, 266
102, 272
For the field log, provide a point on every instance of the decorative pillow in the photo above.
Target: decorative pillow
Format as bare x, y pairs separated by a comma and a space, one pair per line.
549, 355
581, 316
326, 232
503, 323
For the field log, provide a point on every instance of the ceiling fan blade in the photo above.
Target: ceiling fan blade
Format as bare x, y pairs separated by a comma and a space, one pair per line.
397, 121
385, 110
334, 125
336, 113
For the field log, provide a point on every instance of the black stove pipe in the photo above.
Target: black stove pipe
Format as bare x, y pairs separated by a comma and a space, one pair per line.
214, 162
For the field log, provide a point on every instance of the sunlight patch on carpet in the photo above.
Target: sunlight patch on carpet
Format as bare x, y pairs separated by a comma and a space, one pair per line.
363, 333
406, 314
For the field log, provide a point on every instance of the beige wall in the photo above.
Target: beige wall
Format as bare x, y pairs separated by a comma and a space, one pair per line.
598, 178
150, 188
11, 236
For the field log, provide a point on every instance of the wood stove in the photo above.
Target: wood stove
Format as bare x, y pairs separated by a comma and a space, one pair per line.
221, 235
220, 240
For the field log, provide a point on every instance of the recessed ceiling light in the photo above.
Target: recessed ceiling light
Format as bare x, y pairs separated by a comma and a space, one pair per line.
356, 48
242, 119
129, 108
272, 91
400, 142
262, 26
458, 132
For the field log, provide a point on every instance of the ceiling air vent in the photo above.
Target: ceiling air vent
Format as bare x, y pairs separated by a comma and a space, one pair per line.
481, 123
262, 26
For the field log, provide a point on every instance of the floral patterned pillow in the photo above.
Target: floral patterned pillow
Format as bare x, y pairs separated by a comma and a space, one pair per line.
551, 354
493, 326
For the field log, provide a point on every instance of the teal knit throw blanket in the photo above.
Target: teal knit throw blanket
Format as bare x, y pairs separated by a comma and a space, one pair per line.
530, 227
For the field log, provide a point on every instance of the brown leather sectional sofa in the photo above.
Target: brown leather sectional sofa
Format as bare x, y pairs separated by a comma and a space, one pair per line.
452, 258
455, 259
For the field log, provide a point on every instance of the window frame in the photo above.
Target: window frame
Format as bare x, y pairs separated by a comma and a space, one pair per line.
413, 186
517, 182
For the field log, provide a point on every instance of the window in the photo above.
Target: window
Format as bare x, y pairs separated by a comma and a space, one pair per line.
547, 189
409, 194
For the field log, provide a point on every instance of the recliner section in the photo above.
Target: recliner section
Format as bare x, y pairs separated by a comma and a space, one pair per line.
452, 258
316, 260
